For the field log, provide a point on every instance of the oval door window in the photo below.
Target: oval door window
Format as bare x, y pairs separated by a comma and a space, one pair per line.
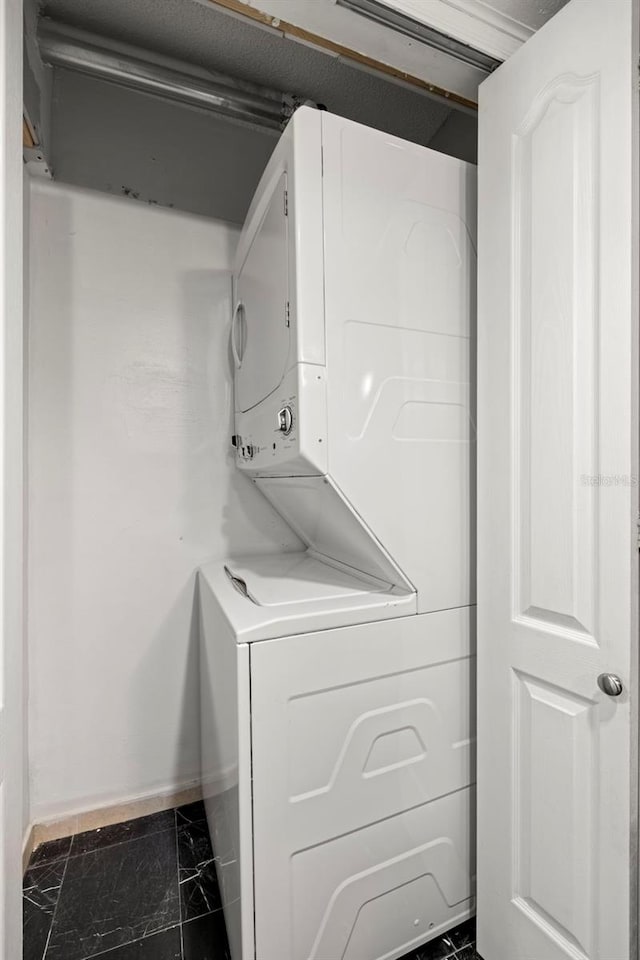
262, 288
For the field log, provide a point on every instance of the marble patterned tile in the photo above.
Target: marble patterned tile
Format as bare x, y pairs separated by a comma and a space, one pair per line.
191, 813
115, 895
437, 949
199, 892
41, 889
43, 878
440, 948
464, 935
50, 851
121, 832
205, 938
160, 946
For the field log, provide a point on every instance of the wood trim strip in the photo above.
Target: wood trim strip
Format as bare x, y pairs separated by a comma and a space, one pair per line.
291, 30
105, 816
27, 138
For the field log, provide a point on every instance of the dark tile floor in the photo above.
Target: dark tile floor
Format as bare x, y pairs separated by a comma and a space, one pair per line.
145, 890
141, 890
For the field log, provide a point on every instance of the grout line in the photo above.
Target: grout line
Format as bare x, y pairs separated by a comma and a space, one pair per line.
55, 909
175, 823
120, 946
117, 843
45, 863
105, 846
466, 946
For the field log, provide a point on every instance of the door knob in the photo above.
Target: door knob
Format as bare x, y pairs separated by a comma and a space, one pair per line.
610, 684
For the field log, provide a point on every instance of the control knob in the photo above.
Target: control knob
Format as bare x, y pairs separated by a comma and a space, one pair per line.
285, 420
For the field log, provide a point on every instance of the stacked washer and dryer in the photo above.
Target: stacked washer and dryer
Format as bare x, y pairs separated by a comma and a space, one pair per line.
338, 683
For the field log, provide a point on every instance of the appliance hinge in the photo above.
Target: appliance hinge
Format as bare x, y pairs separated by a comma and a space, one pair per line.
286, 203
288, 316
638, 531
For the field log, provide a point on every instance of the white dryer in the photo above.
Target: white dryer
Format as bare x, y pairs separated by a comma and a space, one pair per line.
337, 684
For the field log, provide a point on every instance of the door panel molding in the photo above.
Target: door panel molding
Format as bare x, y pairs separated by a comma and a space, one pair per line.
555, 358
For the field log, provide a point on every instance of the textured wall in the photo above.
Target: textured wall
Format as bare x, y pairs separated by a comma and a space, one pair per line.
131, 487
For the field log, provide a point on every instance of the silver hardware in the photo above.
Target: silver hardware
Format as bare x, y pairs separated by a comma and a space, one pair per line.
399, 22
286, 203
285, 420
74, 49
239, 584
610, 684
238, 319
288, 314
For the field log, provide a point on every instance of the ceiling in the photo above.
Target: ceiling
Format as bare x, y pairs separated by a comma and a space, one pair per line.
210, 38
109, 138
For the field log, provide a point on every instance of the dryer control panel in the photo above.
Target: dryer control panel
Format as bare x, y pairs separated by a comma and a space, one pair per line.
285, 420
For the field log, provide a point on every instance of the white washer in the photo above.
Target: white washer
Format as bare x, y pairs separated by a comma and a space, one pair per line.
337, 684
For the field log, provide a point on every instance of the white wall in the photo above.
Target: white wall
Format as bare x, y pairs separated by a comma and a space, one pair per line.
123, 142
131, 486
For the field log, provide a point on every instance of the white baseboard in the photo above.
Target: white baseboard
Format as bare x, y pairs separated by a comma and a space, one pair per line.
78, 822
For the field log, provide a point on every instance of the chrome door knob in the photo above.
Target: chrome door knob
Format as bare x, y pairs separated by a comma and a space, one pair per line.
610, 684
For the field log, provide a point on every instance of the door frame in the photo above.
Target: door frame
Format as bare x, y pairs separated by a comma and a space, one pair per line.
634, 932
13, 809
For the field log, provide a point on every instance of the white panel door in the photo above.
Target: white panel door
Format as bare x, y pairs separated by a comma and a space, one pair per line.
11, 534
557, 553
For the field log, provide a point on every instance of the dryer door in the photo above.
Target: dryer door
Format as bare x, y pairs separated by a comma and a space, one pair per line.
260, 332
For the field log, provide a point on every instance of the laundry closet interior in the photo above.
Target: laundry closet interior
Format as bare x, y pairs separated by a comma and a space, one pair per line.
328, 386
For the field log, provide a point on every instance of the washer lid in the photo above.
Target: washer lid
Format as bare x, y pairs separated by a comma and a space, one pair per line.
298, 578
278, 595
260, 331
